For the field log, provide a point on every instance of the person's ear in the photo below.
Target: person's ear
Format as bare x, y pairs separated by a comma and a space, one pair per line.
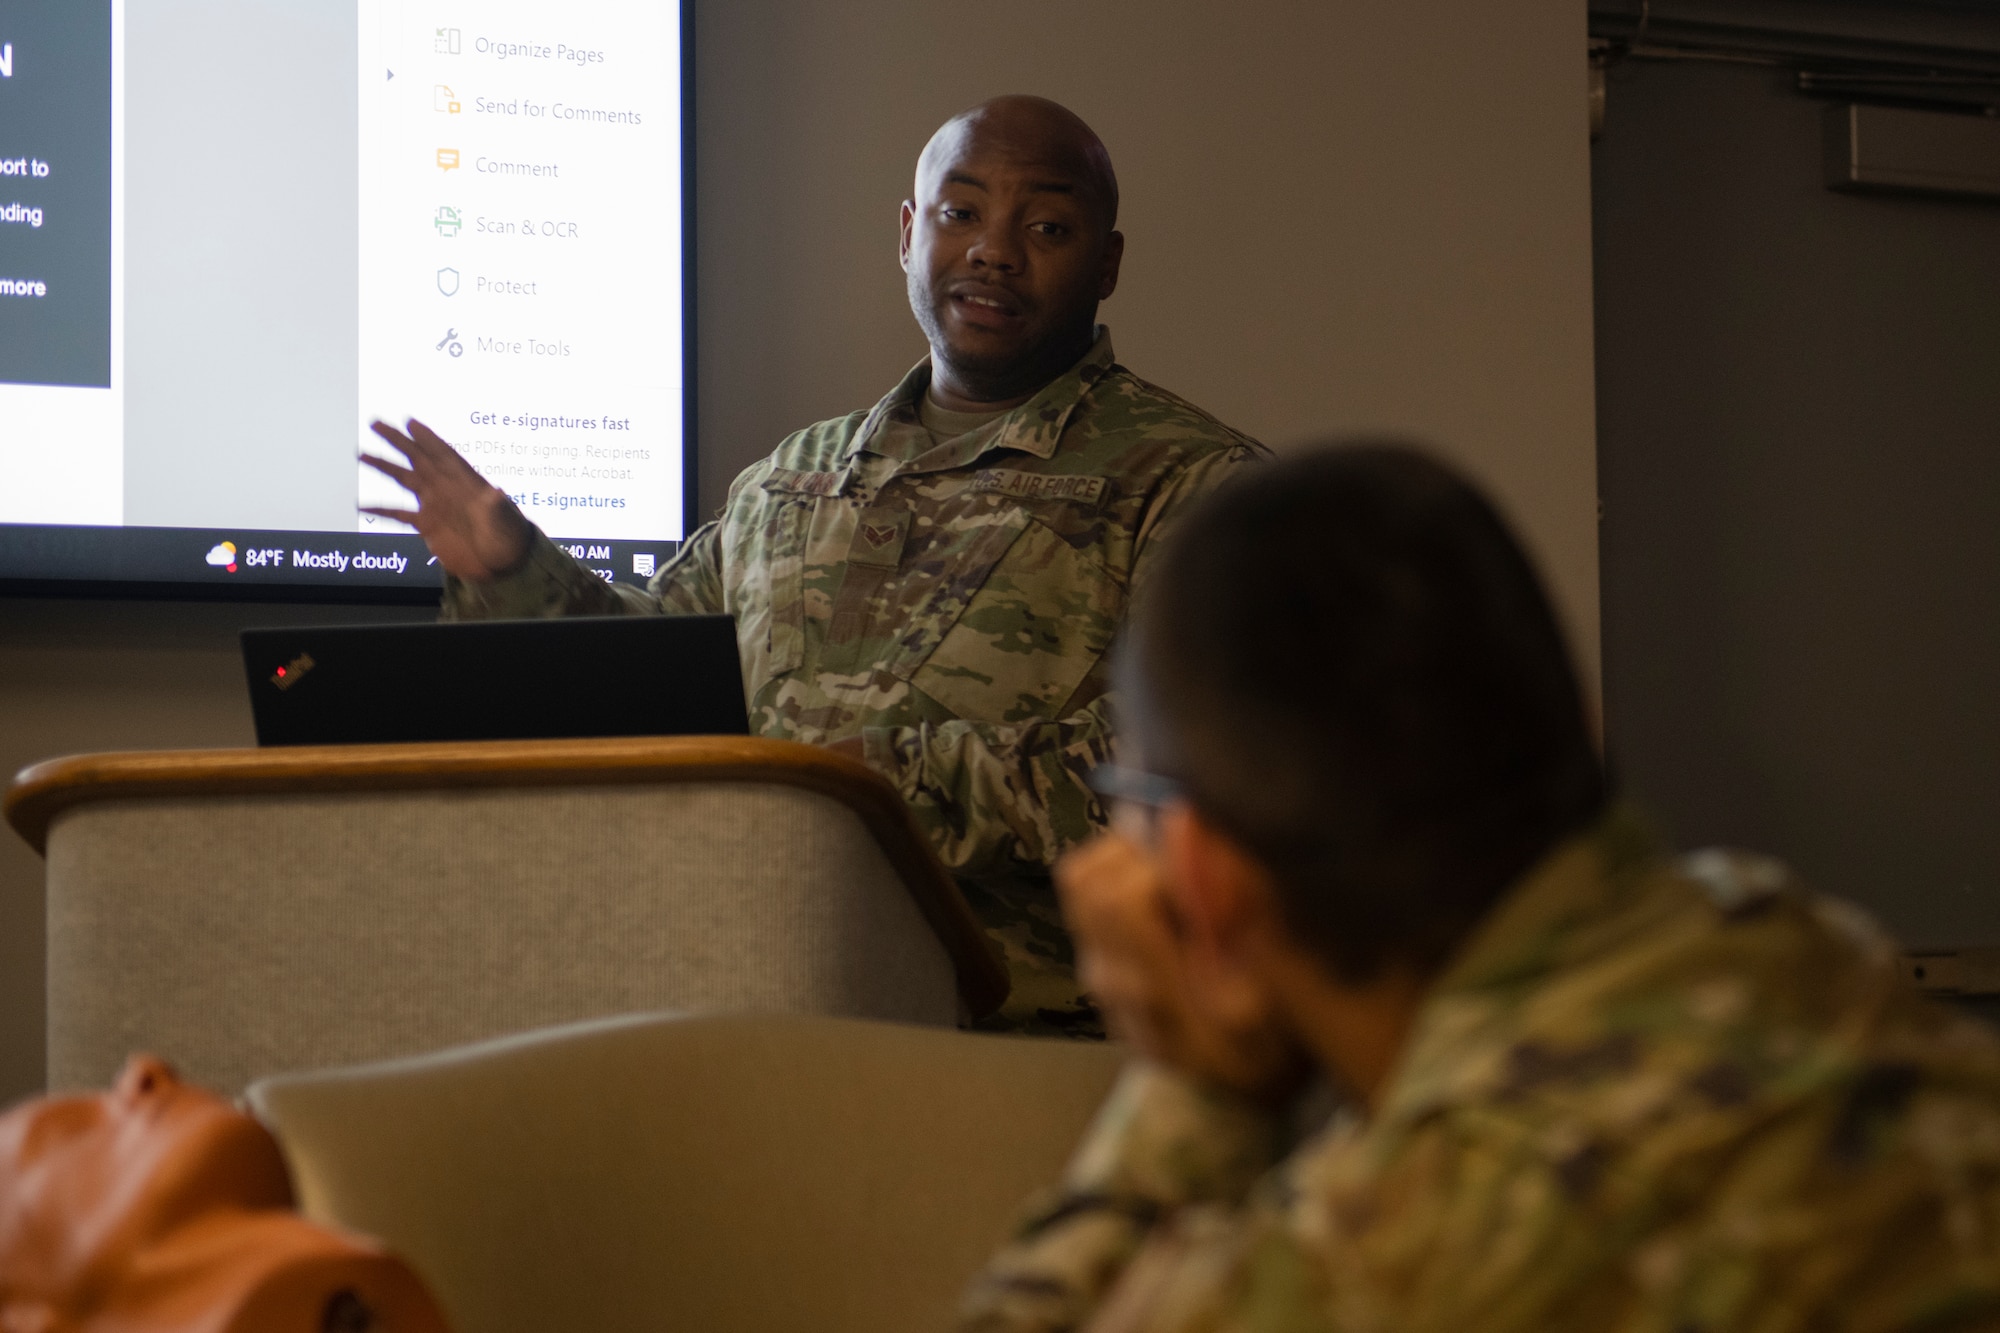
1221, 891
903, 241
1114, 257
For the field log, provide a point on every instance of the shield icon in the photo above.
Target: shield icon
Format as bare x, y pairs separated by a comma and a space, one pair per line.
448, 281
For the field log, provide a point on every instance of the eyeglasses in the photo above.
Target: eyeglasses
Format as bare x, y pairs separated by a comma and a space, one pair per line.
1133, 785
1135, 798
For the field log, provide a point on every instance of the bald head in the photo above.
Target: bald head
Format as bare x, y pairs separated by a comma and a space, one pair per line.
1035, 133
1009, 241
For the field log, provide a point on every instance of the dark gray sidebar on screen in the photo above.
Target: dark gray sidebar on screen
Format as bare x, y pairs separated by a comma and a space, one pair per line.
55, 193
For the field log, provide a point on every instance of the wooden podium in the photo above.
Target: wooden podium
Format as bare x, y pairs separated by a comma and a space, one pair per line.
246, 912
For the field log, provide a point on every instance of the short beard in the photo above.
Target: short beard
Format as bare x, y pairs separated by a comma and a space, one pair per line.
998, 381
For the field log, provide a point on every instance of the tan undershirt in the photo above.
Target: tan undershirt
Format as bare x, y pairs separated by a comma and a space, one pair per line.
944, 424
907, 441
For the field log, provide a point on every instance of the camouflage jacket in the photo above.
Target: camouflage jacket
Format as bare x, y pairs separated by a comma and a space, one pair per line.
1650, 1095
949, 602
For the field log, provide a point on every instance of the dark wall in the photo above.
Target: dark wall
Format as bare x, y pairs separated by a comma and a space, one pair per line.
1799, 458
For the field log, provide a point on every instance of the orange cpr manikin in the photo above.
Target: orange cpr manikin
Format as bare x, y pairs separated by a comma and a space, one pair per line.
159, 1208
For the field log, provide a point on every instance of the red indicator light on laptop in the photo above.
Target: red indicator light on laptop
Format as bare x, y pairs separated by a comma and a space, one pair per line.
288, 675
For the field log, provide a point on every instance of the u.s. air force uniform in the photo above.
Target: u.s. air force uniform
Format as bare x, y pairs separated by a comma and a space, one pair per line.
1649, 1097
947, 592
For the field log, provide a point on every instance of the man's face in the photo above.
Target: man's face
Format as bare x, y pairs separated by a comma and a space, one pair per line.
1008, 250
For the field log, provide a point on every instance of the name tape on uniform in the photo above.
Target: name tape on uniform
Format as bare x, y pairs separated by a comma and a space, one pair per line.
804, 483
1041, 485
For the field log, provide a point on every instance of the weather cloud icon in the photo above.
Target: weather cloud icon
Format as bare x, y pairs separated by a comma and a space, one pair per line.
224, 554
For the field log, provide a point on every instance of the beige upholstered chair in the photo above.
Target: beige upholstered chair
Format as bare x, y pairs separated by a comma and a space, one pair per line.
721, 1173
246, 912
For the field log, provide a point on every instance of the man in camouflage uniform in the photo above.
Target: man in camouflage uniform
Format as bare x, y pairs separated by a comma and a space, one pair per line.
932, 584
1588, 1086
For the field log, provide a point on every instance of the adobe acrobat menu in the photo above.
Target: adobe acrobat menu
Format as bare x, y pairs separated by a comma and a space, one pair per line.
521, 251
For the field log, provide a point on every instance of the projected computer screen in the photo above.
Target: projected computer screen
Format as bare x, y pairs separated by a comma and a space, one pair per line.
232, 235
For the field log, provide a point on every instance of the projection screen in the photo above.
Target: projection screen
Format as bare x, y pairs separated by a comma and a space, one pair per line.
233, 234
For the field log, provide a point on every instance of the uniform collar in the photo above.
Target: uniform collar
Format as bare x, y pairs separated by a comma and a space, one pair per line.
1540, 923
1035, 427
1558, 915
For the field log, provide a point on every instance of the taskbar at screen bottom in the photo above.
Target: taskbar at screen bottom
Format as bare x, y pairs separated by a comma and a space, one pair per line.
215, 561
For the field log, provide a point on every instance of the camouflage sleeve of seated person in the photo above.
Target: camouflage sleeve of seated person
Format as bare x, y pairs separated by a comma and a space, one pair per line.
1161, 1144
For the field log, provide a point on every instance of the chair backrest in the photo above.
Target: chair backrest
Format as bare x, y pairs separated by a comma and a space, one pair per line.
243, 913
715, 1173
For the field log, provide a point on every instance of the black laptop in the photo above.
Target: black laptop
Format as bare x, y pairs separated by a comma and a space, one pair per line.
496, 680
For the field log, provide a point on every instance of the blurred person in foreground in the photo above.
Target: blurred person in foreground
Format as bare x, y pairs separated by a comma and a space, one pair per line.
1361, 841
930, 585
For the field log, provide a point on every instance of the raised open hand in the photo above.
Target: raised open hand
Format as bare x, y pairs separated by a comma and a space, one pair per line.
471, 526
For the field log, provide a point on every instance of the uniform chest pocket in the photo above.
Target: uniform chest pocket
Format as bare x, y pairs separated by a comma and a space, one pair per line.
1043, 617
786, 641
771, 620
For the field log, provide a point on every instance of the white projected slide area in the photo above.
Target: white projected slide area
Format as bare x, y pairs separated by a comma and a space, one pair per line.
520, 252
